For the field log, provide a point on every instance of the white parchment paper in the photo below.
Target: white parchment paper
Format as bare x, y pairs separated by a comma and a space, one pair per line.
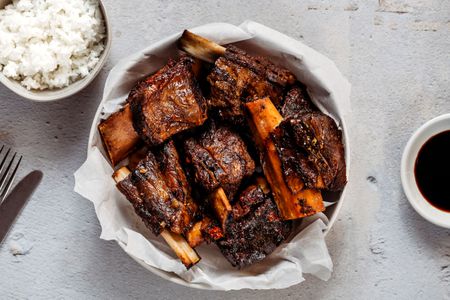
305, 253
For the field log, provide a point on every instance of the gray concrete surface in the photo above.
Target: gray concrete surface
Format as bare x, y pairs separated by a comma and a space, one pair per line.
396, 55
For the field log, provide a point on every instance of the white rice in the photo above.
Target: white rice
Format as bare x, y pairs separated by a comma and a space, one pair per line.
48, 44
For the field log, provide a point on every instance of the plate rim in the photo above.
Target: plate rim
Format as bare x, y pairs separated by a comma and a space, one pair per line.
337, 206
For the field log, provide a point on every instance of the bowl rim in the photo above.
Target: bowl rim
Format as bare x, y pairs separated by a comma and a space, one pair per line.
172, 277
415, 198
50, 95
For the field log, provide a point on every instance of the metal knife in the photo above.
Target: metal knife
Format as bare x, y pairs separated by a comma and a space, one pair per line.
13, 204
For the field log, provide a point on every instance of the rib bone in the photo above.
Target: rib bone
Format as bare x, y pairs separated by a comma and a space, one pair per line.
200, 47
221, 206
118, 134
264, 117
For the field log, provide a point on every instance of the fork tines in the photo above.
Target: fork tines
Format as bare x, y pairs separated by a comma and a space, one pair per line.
8, 169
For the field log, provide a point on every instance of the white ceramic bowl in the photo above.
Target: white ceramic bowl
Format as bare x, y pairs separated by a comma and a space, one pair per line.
326, 82
415, 197
56, 94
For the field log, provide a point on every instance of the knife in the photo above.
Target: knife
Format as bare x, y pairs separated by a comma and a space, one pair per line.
13, 204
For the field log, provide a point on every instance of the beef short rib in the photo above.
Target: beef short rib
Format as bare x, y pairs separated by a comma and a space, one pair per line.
297, 102
168, 102
293, 200
255, 229
238, 77
159, 191
310, 146
157, 107
219, 158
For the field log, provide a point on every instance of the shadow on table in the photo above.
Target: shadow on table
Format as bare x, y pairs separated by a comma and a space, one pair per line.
430, 236
59, 130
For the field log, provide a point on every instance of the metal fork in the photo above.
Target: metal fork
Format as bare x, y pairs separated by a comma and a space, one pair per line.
7, 171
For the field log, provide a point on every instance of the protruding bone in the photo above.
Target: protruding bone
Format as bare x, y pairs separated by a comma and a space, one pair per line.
180, 246
121, 174
200, 47
221, 206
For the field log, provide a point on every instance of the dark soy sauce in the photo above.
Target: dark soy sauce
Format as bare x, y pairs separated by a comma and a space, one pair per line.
432, 170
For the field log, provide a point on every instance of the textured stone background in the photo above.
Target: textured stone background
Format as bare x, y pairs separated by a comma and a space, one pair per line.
396, 55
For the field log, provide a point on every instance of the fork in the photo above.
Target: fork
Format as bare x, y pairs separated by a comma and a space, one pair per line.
7, 174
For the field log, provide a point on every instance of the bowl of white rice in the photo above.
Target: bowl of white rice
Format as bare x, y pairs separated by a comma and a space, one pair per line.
52, 49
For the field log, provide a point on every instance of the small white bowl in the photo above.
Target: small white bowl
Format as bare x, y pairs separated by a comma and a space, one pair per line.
56, 94
415, 197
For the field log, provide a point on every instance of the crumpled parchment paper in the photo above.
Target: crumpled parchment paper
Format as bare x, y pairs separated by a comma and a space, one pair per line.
305, 253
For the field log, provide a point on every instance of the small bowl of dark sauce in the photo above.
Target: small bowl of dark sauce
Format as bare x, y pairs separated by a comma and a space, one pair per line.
425, 170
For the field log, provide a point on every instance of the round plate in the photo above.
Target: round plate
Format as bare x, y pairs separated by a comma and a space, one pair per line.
336, 92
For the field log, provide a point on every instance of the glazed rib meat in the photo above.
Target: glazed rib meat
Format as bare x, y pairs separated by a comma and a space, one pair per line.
309, 143
297, 102
158, 107
292, 198
175, 178
159, 191
255, 230
238, 77
219, 158
310, 146
168, 102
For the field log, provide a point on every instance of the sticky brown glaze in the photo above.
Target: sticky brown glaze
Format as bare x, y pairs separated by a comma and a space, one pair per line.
255, 230
260, 65
168, 102
297, 102
291, 197
310, 147
238, 77
159, 191
219, 158
173, 94
130, 191
177, 183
